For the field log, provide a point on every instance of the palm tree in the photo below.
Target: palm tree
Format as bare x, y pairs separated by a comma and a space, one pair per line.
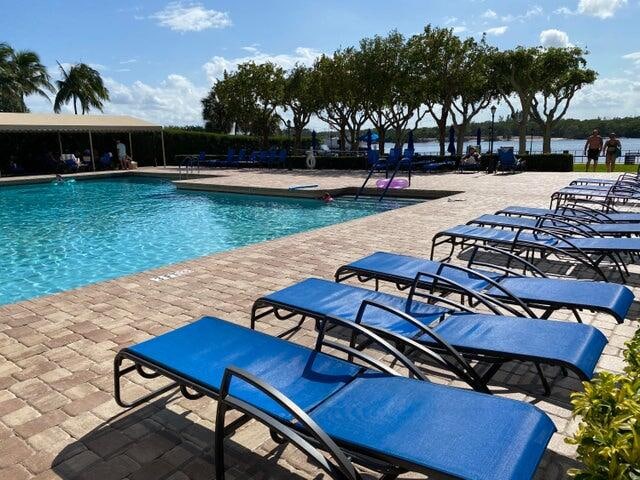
21, 74
83, 84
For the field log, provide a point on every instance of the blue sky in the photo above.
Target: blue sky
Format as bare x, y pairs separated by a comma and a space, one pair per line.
159, 58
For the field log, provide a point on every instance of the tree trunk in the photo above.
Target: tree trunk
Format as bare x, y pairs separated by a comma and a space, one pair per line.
381, 137
546, 138
442, 131
522, 138
75, 105
342, 138
297, 138
462, 132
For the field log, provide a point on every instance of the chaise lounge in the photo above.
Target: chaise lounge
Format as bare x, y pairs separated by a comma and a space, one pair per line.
321, 403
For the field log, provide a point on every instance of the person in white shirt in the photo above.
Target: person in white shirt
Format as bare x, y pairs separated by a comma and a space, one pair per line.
122, 154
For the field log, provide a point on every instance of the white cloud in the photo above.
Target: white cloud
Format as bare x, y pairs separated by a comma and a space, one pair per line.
634, 57
175, 101
190, 17
459, 29
450, 20
607, 97
489, 14
531, 12
600, 8
497, 31
215, 67
554, 38
564, 11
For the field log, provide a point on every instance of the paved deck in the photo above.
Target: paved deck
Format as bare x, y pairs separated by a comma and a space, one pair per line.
58, 418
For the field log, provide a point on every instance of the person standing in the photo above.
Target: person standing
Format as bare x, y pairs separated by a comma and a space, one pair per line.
122, 154
612, 149
592, 148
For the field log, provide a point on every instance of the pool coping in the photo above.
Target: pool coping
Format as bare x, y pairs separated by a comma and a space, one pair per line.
195, 184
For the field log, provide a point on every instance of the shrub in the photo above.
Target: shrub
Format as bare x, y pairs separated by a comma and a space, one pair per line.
552, 162
608, 437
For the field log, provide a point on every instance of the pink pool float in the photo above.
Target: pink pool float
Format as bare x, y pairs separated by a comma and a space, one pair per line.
396, 183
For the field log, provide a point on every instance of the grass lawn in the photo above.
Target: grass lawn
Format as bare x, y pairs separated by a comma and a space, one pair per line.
579, 167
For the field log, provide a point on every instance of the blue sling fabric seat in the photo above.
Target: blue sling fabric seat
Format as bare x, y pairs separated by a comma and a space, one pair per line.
549, 293
574, 346
589, 245
434, 421
604, 217
604, 229
397, 424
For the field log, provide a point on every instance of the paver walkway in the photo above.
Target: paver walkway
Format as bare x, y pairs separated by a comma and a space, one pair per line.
58, 418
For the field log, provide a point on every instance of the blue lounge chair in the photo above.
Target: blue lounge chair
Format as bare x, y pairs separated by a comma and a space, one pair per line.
242, 156
320, 402
507, 160
228, 161
580, 211
539, 291
559, 222
494, 338
544, 241
282, 158
609, 195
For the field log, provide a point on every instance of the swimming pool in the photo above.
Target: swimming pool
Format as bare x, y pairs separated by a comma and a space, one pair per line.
57, 237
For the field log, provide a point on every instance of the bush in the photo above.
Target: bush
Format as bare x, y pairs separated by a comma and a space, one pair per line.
608, 438
181, 142
552, 162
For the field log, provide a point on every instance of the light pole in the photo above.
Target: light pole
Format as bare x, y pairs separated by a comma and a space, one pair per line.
493, 121
289, 166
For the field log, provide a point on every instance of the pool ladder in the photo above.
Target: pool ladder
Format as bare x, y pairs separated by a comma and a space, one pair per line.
375, 166
190, 164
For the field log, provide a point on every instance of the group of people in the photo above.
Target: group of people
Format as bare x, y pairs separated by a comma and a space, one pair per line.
596, 146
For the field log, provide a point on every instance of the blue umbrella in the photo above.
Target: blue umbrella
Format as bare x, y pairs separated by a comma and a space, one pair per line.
369, 139
314, 140
452, 141
410, 140
479, 137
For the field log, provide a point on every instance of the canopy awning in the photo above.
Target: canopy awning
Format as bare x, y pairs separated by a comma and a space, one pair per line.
52, 122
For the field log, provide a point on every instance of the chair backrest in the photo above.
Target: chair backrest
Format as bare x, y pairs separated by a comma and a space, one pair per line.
394, 155
373, 156
506, 156
282, 154
230, 153
242, 154
202, 156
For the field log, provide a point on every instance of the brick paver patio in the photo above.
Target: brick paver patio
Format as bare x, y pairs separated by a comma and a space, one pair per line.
58, 418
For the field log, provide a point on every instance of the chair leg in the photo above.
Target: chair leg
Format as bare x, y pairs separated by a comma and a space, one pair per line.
543, 379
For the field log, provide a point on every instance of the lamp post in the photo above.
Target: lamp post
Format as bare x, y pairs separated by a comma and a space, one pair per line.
289, 166
493, 121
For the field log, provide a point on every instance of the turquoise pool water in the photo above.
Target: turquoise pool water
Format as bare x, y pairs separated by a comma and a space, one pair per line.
57, 237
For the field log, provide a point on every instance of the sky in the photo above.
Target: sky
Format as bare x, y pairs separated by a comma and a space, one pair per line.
159, 58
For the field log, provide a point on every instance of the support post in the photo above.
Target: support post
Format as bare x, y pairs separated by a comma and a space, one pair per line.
60, 144
93, 160
130, 147
164, 155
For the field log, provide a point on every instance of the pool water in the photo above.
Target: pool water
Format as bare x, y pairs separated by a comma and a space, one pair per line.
55, 237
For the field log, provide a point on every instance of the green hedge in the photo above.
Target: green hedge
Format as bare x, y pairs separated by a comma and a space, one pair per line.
554, 162
180, 142
608, 436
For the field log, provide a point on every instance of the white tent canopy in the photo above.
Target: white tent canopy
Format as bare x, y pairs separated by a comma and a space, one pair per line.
52, 122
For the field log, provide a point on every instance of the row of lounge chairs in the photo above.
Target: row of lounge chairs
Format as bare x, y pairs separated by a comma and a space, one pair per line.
271, 158
359, 410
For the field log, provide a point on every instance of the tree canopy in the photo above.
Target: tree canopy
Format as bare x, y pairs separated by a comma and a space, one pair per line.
80, 84
21, 74
393, 82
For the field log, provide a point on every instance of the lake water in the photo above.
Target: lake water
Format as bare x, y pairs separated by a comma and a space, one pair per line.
559, 145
